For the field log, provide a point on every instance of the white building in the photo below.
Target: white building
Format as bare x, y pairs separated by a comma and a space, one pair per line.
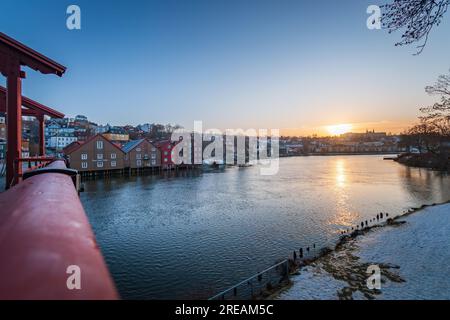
59, 142
100, 129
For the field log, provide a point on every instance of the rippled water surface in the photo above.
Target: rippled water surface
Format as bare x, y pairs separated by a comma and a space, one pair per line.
195, 234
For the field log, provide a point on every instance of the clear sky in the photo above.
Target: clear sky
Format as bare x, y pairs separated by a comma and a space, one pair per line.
294, 65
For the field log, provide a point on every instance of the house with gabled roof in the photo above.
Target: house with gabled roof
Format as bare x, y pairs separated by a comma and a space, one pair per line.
96, 154
141, 154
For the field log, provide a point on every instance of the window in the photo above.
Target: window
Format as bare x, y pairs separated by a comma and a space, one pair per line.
153, 156
84, 165
100, 156
165, 159
99, 144
84, 156
113, 156
138, 163
113, 163
138, 149
153, 162
165, 153
138, 156
153, 149
100, 164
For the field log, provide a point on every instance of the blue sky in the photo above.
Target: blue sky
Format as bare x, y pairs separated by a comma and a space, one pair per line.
294, 65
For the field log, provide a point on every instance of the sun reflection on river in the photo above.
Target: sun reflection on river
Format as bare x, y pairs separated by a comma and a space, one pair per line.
340, 173
344, 216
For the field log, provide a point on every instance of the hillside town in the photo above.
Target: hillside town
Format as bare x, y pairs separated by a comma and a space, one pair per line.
103, 147
369, 142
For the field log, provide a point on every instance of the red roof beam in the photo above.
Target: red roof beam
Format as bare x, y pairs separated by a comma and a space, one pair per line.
29, 57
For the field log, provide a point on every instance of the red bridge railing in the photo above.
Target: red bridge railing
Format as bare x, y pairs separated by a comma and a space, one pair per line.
44, 233
34, 162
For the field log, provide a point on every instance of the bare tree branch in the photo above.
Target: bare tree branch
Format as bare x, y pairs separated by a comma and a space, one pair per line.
438, 115
416, 17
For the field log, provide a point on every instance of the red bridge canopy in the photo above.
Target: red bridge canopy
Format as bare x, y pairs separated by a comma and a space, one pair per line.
28, 57
14, 55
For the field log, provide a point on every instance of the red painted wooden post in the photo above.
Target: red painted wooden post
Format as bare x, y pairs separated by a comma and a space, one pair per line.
14, 122
41, 120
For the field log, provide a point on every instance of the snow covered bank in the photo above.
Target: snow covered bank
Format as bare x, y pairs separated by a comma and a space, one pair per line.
414, 258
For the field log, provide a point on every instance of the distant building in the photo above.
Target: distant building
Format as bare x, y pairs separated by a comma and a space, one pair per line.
60, 141
294, 148
100, 129
82, 135
25, 148
166, 149
146, 127
96, 154
117, 134
51, 128
141, 154
81, 119
367, 136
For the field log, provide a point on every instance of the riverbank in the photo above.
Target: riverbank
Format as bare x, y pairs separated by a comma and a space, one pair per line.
425, 160
412, 251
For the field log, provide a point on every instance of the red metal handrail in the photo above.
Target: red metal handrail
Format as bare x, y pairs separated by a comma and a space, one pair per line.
39, 162
43, 231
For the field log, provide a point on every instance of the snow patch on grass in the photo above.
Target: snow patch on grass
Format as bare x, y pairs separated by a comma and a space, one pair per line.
414, 258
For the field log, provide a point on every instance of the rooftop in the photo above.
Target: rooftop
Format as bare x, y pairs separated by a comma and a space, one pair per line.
127, 147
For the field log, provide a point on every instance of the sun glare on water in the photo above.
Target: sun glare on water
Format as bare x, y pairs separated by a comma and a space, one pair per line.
338, 129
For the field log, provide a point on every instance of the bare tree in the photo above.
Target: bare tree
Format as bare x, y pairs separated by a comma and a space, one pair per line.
439, 113
424, 137
416, 17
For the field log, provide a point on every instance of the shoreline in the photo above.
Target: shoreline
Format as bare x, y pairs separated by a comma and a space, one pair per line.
318, 154
344, 247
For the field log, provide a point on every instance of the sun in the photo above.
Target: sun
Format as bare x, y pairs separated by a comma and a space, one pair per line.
339, 129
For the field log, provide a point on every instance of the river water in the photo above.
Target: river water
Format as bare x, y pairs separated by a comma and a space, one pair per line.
193, 234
